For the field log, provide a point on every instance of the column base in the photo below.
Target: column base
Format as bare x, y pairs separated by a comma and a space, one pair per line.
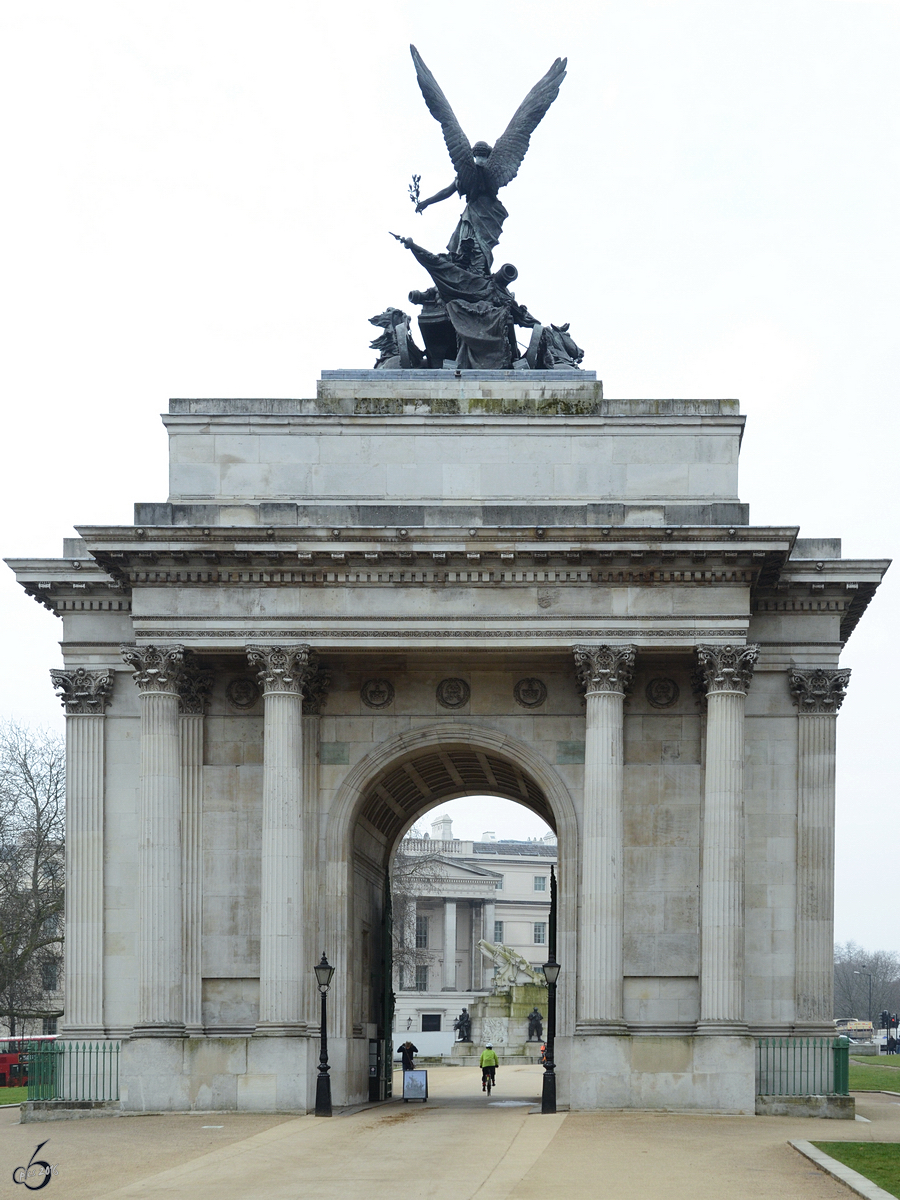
83, 1032
814, 1029
158, 1031
601, 1028
281, 1029
723, 1029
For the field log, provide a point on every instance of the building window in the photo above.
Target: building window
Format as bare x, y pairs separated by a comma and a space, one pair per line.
498, 931
540, 933
49, 1028
421, 979
431, 1022
540, 883
421, 933
499, 884
48, 976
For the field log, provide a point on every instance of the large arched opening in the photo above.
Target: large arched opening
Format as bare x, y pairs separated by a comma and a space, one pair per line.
381, 798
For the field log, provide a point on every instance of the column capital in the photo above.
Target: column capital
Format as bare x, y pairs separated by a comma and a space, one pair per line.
156, 668
315, 687
194, 684
83, 692
605, 668
284, 668
726, 668
818, 691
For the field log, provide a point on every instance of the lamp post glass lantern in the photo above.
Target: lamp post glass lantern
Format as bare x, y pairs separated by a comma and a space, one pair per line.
323, 972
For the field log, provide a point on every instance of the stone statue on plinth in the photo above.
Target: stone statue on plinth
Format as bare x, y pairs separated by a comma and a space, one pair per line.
469, 317
463, 1027
535, 1025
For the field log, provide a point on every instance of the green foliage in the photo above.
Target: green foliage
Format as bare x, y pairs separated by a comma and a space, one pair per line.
878, 1161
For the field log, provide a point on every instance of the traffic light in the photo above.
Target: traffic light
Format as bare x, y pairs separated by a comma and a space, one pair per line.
894, 1021
885, 1019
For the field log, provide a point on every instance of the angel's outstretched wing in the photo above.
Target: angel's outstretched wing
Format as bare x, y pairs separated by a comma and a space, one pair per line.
457, 142
509, 150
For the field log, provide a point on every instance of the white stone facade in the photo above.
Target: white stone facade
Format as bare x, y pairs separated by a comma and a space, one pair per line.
498, 891
339, 618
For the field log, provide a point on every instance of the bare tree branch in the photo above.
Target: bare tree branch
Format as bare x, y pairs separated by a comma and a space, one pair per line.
32, 870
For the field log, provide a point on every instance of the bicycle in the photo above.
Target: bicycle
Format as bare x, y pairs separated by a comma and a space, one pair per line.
488, 1081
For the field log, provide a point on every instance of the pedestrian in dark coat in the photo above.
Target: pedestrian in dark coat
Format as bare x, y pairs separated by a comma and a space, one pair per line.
407, 1050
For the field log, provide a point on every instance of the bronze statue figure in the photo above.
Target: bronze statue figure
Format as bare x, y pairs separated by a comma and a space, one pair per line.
481, 170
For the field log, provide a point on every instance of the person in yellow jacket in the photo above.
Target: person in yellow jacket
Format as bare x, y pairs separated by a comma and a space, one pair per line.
489, 1064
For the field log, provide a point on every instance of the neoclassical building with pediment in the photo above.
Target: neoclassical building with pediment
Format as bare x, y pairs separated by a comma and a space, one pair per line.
423, 585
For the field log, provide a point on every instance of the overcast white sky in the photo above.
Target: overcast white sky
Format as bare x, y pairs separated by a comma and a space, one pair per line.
196, 203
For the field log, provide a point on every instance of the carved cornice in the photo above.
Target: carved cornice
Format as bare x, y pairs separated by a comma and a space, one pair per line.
726, 668
605, 668
83, 692
819, 691
156, 668
194, 687
283, 668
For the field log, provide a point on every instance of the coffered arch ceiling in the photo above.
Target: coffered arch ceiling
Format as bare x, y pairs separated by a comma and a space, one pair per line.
415, 784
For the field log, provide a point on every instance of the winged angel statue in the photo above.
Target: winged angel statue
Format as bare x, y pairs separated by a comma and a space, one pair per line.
481, 170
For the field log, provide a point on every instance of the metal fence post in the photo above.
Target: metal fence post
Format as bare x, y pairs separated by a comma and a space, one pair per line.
841, 1054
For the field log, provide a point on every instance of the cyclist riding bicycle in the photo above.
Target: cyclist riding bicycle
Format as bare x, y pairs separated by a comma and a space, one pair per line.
489, 1064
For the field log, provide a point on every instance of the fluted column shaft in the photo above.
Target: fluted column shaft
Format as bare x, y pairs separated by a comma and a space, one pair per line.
722, 859
158, 673
726, 672
818, 695
602, 882
815, 868
191, 725
282, 957
160, 864
84, 695
84, 875
606, 673
448, 980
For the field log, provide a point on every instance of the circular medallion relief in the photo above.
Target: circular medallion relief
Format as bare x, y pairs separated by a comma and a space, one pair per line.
453, 693
377, 693
530, 693
242, 693
662, 693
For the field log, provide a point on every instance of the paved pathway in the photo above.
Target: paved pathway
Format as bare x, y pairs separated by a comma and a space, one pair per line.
456, 1147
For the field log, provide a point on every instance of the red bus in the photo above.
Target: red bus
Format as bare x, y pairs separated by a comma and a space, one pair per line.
14, 1058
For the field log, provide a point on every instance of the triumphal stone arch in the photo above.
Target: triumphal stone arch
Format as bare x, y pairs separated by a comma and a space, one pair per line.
421, 585
463, 572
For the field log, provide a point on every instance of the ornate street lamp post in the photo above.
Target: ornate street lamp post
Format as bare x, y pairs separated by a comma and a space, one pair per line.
548, 1091
324, 972
870, 989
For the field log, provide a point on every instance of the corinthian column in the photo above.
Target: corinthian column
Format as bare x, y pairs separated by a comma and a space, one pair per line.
818, 695
157, 673
726, 672
194, 689
283, 671
84, 695
605, 673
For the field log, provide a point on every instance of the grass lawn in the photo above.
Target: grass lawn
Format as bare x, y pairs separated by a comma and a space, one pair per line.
13, 1095
875, 1074
878, 1161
